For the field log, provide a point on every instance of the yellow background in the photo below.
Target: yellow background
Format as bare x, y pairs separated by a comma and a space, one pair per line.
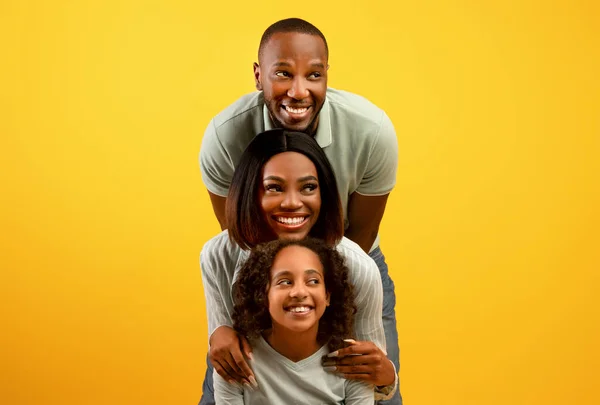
491, 234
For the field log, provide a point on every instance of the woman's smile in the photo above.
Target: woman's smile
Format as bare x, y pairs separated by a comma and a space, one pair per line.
290, 197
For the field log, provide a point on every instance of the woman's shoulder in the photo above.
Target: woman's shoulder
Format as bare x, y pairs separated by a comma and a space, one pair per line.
220, 248
352, 251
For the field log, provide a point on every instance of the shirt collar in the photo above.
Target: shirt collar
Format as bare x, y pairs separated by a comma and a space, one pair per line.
323, 135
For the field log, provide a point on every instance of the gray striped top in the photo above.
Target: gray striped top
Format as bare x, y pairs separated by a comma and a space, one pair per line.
221, 260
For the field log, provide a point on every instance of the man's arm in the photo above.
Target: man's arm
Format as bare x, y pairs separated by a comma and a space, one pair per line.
218, 204
364, 214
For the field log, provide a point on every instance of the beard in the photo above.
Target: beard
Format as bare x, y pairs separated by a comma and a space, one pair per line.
311, 128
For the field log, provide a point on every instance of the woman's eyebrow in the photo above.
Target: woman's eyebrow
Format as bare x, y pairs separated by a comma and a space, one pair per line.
306, 178
276, 178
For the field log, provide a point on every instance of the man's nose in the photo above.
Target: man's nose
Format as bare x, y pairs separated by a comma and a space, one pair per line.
298, 90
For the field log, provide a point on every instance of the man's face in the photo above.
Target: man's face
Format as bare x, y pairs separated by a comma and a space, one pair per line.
293, 77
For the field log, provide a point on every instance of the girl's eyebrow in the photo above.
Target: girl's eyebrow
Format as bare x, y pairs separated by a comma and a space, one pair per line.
287, 273
280, 274
312, 271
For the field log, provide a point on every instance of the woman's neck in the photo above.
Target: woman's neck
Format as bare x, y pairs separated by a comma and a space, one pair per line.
293, 345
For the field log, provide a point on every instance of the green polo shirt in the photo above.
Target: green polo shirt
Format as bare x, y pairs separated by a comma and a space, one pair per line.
356, 135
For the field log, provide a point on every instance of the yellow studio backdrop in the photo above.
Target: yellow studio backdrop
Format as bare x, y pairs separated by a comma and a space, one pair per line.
491, 233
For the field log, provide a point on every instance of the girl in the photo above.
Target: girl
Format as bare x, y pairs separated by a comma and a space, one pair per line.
284, 188
294, 302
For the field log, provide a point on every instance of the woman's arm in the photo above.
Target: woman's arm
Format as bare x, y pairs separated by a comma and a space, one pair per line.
227, 348
365, 358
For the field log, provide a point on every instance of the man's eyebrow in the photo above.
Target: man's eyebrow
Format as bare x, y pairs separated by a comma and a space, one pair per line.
318, 65
282, 63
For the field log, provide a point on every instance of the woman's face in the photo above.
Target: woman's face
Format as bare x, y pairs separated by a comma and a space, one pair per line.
290, 198
297, 296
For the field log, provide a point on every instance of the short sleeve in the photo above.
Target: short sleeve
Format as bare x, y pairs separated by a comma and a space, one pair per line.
217, 290
227, 393
358, 393
380, 175
216, 165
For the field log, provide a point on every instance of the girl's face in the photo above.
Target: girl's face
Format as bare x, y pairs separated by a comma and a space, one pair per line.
290, 198
296, 294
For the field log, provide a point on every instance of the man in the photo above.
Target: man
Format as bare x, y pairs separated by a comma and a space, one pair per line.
357, 137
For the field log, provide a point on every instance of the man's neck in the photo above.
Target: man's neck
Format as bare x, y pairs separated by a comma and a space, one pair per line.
294, 346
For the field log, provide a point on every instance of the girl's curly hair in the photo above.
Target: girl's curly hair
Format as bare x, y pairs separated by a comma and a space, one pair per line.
250, 292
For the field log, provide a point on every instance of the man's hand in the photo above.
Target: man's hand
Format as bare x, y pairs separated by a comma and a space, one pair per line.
226, 354
362, 361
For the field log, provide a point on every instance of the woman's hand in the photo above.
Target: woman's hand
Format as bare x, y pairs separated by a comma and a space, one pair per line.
226, 354
362, 361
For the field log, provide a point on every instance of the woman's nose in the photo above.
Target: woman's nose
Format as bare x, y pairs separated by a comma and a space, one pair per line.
291, 201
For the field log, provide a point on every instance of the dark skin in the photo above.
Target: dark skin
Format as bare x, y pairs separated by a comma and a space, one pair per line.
292, 73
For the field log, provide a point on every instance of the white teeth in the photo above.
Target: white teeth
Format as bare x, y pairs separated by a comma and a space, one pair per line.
299, 309
291, 221
296, 110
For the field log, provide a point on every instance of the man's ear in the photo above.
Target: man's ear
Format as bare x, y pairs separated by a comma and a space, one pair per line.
257, 82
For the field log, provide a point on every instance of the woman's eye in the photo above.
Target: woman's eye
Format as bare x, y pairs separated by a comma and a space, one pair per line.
273, 187
310, 187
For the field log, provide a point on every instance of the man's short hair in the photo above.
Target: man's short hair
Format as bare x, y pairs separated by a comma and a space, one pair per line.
291, 25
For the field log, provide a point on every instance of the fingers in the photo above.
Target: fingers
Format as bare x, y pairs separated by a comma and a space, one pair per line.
354, 349
247, 349
242, 367
354, 360
222, 371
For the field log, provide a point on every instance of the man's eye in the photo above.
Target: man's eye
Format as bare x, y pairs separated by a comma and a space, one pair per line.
282, 74
315, 75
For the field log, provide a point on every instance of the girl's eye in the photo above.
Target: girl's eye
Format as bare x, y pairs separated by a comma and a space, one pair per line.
284, 282
313, 281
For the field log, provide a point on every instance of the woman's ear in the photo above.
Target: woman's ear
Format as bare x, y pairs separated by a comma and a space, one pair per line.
327, 298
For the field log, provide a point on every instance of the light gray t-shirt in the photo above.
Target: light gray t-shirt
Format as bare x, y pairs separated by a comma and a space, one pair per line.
221, 261
356, 135
283, 381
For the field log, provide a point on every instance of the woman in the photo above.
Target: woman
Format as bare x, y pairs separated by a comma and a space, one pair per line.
294, 302
284, 188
